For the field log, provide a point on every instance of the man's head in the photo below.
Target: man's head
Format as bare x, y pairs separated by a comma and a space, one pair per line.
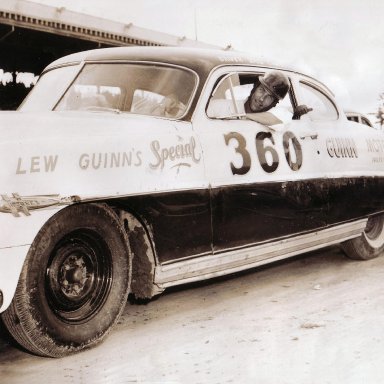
265, 95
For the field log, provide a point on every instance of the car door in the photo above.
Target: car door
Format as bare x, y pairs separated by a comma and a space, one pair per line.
255, 165
349, 156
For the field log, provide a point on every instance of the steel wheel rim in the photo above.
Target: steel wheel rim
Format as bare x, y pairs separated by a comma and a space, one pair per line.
78, 276
374, 231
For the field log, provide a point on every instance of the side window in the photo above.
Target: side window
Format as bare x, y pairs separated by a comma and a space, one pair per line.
231, 93
353, 118
284, 108
323, 107
227, 98
366, 121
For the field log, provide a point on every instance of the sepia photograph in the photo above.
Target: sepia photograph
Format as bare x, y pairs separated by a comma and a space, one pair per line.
191, 191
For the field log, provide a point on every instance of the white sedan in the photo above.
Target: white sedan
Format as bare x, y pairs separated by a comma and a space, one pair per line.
130, 170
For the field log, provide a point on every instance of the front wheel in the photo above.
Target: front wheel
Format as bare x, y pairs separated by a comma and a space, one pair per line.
74, 282
370, 243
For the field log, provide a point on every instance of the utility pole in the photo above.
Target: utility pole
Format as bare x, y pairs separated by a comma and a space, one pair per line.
195, 20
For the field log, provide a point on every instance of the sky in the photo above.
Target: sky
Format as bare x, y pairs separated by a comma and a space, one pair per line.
340, 42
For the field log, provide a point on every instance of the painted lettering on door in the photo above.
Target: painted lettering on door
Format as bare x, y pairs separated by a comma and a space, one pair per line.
36, 164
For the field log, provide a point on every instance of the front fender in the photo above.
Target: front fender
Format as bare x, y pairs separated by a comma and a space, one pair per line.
17, 235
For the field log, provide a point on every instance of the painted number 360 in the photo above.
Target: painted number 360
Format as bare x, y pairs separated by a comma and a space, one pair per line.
266, 152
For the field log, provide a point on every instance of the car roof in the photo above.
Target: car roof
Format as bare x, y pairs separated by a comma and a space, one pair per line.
201, 60
189, 57
351, 112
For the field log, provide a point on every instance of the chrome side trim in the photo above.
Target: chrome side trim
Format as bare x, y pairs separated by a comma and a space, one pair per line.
17, 204
206, 267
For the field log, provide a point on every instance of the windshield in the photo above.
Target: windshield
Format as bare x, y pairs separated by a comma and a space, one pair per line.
147, 89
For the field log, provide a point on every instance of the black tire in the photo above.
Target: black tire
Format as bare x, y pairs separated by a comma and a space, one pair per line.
370, 243
74, 282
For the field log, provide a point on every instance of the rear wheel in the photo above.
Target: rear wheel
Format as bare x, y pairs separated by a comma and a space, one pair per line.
74, 283
370, 244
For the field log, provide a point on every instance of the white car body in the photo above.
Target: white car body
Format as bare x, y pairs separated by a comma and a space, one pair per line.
212, 195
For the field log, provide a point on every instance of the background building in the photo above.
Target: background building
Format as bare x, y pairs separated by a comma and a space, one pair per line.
32, 35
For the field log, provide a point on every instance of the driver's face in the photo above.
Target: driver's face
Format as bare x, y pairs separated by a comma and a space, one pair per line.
261, 99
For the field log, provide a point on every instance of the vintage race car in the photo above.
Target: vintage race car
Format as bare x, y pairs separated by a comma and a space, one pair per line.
358, 118
130, 170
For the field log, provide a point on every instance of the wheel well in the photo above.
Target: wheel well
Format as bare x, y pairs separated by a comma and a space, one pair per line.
143, 257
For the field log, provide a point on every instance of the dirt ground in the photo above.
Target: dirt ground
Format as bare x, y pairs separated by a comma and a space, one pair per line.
313, 319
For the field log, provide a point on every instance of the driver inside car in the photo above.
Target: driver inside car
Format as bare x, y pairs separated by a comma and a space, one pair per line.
267, 91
